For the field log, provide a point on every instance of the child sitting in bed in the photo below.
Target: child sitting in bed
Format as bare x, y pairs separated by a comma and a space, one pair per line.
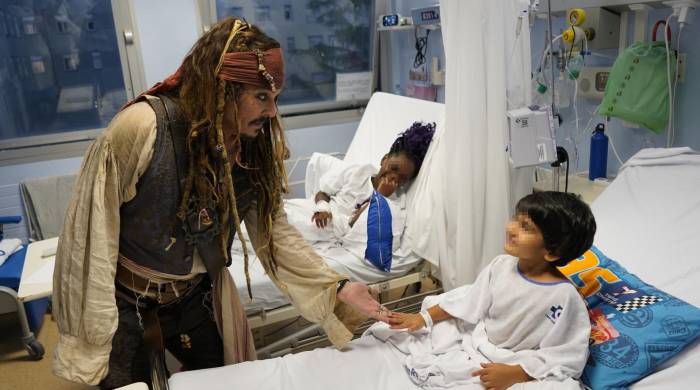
521, 320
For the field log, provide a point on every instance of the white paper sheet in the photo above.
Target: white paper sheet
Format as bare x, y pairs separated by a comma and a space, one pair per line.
42, 275
353, 86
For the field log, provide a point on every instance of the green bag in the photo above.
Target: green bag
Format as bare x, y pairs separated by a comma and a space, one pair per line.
637, 88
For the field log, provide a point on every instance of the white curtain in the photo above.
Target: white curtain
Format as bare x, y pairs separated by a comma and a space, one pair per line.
471, 199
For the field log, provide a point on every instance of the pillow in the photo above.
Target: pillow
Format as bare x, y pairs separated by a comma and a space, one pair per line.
379, 233
634, 326
319, 164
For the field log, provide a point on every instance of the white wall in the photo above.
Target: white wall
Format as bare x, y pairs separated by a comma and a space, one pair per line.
404, 51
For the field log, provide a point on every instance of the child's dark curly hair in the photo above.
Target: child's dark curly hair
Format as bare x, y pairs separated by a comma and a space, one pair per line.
414, 143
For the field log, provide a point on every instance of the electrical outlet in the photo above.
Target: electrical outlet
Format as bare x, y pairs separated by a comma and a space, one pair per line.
682, 58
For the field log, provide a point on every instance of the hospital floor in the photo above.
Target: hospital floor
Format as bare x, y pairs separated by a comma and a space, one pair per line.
17, 370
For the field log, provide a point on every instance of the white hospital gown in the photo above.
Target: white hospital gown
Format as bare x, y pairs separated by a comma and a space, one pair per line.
349, 189
502, 318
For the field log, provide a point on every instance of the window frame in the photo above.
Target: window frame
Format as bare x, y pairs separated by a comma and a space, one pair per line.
62, 27
262, 14
71, 62
96, 56
28, 21
38, 60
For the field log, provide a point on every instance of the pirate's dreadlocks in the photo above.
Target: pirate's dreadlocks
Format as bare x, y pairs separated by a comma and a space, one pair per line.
202, 97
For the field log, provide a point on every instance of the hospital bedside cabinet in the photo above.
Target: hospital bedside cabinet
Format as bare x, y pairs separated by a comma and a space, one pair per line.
30, 314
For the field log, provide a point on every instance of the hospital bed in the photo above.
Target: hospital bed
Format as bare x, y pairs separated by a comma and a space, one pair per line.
384, 117
647, 221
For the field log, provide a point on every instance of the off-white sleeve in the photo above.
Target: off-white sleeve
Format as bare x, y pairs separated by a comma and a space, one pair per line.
563, 352
304, 277
470, 302
83, 286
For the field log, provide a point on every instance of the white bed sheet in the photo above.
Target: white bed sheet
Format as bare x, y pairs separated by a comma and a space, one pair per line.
365, 364
648, 221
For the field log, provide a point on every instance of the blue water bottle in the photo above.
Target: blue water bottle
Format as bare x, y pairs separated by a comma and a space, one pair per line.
598, 162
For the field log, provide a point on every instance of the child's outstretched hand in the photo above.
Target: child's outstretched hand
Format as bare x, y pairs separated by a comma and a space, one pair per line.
496, 376
407, 321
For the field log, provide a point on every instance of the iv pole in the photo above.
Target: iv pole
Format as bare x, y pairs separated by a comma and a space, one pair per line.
555, 167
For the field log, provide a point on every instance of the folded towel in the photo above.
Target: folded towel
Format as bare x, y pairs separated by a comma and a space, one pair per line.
9, 246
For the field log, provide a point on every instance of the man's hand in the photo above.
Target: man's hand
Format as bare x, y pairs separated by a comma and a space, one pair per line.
496, 376
321, 218
361, 298
410, 322
387, 186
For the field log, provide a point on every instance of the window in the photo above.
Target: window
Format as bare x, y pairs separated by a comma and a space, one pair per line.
233, 11
97, 60
321, 77
38, 66
315, 40
15, 30
313, 14
45, 76
62, 26
24, 66
29, 25
262, 13
345, 24
91, 25
71, 62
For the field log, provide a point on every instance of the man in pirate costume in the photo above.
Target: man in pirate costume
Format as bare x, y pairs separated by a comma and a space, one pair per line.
141, 261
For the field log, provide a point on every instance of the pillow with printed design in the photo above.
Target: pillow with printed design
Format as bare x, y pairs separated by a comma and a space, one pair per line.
635, 327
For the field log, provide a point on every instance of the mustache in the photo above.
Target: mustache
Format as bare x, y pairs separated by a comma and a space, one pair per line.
259, 121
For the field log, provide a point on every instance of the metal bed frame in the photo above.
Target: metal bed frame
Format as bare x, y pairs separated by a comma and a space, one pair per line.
262, 317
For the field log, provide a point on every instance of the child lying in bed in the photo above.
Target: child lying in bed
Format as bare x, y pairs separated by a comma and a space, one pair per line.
521, 320
345, 195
